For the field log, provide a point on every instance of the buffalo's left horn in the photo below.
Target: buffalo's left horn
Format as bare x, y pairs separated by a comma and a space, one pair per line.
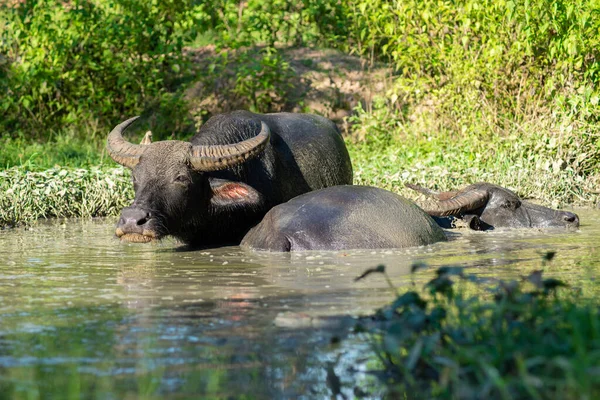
217, 157
465, 200
120, 150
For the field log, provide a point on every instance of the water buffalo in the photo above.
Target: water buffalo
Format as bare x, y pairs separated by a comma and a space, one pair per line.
487, 206
211, 190
344, 217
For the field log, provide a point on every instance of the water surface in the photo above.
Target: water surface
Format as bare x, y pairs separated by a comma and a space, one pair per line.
83, 315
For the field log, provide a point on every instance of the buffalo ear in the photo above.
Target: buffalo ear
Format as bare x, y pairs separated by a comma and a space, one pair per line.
229, 193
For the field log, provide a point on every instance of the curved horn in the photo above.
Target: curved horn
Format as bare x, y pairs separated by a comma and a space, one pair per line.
465, 200
120, 150
216, 157
421, 189
431, 193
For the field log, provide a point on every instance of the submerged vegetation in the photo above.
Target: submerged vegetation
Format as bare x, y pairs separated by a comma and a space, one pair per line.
528, 339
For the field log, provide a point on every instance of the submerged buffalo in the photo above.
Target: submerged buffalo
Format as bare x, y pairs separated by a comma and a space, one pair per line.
487, 206
344, 217
213, 189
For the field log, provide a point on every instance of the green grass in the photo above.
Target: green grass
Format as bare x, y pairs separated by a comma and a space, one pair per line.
63, 150
492, 339
438, 163
554, 160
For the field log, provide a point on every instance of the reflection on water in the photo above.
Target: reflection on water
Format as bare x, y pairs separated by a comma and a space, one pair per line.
83, 315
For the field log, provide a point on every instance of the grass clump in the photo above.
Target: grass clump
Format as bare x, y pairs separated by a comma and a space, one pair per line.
26, 196
524, 341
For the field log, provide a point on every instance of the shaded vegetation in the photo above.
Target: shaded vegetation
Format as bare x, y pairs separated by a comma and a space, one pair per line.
523, 339
86, 63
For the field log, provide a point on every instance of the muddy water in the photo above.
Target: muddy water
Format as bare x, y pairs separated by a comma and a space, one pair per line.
83, 315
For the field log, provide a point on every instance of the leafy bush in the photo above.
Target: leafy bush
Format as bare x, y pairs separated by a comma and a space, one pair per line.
89, 60
486, 86
258, 79
248, 69
271, 22
525, 342
482, 41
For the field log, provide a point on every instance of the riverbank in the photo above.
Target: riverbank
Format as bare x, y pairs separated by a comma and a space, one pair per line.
551, 158
59, 192
442, 95
32, 191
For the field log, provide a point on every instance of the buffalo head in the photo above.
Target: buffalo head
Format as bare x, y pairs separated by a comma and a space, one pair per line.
496, 207
173, 193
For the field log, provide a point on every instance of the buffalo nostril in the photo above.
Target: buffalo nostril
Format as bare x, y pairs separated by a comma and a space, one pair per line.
143, 220
133, 216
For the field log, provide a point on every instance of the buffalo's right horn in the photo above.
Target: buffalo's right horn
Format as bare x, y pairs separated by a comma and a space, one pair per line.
431, 193
217, 157
120, 150
421, 189
465, 200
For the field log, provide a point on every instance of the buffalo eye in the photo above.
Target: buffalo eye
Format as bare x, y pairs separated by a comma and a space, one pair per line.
182, 179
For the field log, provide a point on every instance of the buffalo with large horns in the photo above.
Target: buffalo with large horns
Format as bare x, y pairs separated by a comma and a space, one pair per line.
487, 206
213, 189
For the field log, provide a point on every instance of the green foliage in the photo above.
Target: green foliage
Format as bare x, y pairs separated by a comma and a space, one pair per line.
271, 22
261, 79
26, 196
503, 73
526, 342
427, 39
257, 79
82, 61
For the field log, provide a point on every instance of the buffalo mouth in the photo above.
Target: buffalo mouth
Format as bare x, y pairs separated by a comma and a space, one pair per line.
135, 237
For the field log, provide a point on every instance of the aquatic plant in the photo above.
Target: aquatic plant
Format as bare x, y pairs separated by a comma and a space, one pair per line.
512, 340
